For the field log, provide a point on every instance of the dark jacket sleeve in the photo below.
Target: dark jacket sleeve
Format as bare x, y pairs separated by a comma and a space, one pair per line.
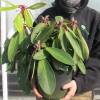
88, 82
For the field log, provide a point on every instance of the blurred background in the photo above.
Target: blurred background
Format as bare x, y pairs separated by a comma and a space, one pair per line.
14, 93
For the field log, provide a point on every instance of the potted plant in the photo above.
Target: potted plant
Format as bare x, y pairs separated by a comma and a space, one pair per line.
45, 54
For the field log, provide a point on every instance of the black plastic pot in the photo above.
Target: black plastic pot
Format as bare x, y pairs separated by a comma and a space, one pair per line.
61, 79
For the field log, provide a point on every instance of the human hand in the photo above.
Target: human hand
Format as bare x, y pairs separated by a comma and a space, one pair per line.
72, 86
35, 91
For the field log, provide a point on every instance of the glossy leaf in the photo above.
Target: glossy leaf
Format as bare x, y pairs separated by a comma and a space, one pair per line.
75, 58
13, 46
56, 43
11, 66
72, 32
7, 2
28, 18
74, 43
81, 66
22, 37
18, 23
5, 53
63, 39
83, 44
46, 77
37, 30
45, 34
37, 6
22, 73
39, 55
8, 8
60, 55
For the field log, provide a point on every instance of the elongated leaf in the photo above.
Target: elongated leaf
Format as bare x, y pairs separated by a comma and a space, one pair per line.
22, 37
10, 3
39, 55
22, 73
18, 23
63, 39
5, 53
28, 18
74, 43
81, 66
37, 30
13, 46
8, 8
64, 42
46, 77
45, 34
60, 55
72, 32
75, 58
37, 6
83, 44
11, 66
56, 43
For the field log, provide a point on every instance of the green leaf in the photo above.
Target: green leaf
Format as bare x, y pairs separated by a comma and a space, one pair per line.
39, 27
60, 55
13, 46
74, 43
63, 39
8, 8
37, 6
22, 73
11, 66
81, 66
18, 23
22, 37
56, 43
45, 34
72, 32
65, 44
28, 18
5, 53
60, 66
39, 55
59, 19
75, 58
83, 44
46, 77
10, 3
24, 42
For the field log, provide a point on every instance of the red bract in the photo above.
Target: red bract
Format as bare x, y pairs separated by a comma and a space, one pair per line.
22, 7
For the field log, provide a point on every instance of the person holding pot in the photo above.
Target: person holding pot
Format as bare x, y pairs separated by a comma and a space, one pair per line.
81, 85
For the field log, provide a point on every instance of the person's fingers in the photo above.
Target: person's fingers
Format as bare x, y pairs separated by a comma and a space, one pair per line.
36, 92
66, 86
72, 90
69, 95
